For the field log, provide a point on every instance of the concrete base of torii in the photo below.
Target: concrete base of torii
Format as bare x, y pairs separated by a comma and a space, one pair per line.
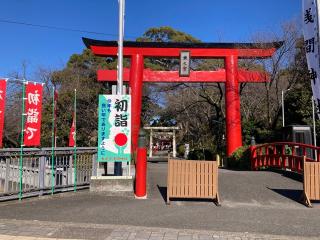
102, 181
112, 186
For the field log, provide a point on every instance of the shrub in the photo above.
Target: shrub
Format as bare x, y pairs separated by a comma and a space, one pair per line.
200, 154
181, 150
240, 159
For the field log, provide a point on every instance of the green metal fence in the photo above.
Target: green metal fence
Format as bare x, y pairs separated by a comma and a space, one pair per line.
39, 177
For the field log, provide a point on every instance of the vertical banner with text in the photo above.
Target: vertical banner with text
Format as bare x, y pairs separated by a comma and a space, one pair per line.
3, 89
72, 133
55, 102
312, 46
33, 108
114, 128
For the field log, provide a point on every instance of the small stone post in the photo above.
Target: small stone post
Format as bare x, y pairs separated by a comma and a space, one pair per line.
42, 174
253, 153
151, 143
174, 147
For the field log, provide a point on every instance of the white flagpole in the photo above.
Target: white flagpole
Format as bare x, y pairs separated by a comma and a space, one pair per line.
317, 2
314, 128
120, 47
118, 165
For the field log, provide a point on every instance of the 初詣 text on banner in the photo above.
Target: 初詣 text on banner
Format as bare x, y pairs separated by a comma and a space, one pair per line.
3, 88
114, 128
72, 133
33, 108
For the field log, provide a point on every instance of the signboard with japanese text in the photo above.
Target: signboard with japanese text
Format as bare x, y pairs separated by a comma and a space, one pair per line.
72, 133
33, 108
3, 88
114, 128
55, 102
184, 69
311, 42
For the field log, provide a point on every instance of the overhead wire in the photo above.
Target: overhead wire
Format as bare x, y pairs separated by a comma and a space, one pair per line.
59, 28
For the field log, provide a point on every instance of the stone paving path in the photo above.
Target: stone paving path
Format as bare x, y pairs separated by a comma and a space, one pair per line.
36, 230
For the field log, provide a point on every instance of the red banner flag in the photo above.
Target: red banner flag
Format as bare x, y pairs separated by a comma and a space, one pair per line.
55, 97
3, 88
33, 108
72, 133
56, 94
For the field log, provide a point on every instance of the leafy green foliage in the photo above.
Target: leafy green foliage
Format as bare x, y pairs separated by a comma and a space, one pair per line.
201, 154
240, 159
79, 74
166, 34
180, 150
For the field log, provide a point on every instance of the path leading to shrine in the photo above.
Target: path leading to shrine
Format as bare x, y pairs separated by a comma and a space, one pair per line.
252, 203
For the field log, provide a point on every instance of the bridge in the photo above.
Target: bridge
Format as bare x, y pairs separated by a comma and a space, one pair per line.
283, 155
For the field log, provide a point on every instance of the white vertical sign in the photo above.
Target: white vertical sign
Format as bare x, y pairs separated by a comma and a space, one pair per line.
184, 70
311, 43
114, 128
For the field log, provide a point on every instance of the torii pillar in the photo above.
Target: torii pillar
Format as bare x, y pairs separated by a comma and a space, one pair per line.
231, 75
136, 77
232, 101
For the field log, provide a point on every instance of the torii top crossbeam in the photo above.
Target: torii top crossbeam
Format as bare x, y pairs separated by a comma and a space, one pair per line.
231, 76
172, 49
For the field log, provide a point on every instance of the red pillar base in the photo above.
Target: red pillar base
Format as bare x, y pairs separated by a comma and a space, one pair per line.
141, 198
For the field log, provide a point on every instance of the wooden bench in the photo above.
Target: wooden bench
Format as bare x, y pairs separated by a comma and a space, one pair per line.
192, 179
311, 181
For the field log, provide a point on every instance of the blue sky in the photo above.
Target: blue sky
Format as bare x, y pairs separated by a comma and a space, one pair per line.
207, 20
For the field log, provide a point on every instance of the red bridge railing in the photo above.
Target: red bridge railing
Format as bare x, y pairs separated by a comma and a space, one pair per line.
284, 155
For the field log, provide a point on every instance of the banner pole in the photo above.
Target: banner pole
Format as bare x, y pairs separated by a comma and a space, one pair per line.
52, 143
314, 128
75, 141
120, 47
21, 140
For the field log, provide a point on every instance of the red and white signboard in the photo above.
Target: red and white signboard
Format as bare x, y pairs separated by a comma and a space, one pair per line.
55, 97
72, 133
33, 108
3, 88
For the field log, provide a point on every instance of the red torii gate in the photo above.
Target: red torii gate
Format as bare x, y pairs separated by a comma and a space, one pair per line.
231, 75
